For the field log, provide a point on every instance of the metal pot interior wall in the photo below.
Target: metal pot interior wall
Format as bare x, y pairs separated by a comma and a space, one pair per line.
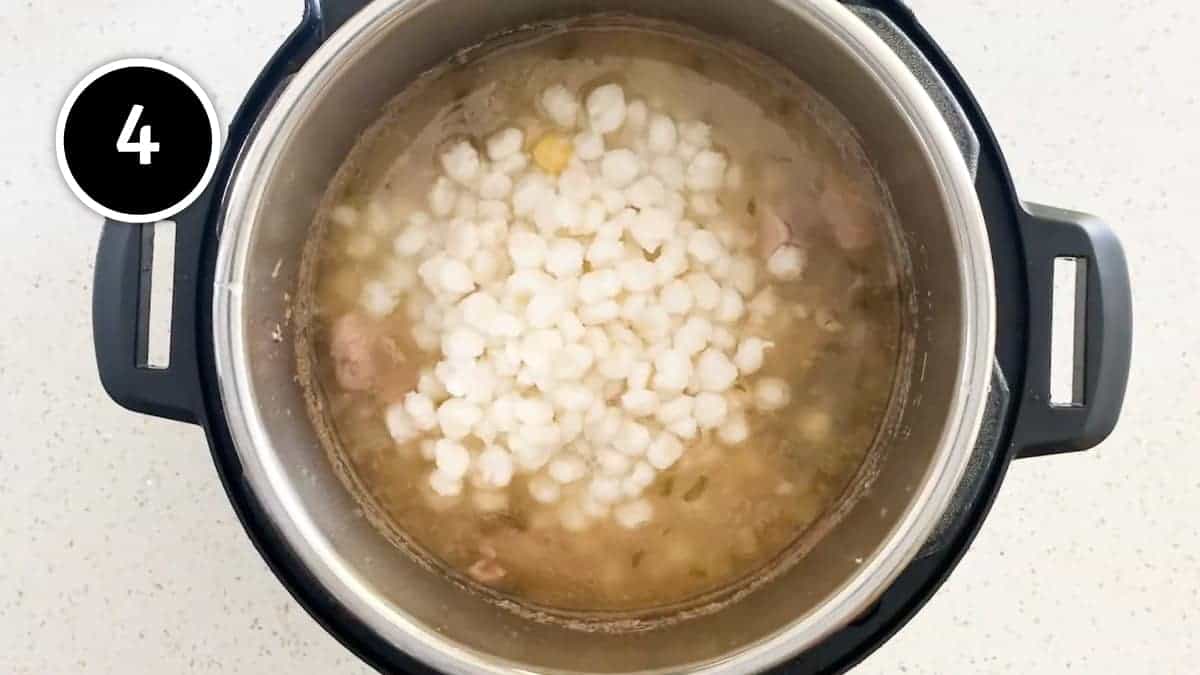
425, 608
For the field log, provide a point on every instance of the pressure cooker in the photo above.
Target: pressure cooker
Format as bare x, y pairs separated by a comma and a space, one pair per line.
982, 271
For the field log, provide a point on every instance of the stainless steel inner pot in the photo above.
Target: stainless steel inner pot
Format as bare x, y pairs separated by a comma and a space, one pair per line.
270, 206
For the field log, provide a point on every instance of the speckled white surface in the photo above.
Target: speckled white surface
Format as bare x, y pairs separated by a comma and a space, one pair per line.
120, 554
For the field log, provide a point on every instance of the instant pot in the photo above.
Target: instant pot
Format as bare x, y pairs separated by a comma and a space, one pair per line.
980, 285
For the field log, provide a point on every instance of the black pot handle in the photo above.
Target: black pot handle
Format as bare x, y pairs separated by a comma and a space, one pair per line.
120, 316
1104, 351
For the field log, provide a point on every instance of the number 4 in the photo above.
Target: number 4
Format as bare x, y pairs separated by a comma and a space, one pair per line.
144, 146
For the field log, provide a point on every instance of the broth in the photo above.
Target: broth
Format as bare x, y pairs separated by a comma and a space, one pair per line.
725, 511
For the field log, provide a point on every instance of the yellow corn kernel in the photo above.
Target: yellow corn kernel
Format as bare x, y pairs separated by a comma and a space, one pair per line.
552, 153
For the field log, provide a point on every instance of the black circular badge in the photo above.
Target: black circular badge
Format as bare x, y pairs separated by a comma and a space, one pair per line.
137, 140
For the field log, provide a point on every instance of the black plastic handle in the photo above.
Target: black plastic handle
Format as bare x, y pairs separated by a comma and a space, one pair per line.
120, 317
1044, 428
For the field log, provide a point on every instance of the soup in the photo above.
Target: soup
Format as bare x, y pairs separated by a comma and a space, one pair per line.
604, 321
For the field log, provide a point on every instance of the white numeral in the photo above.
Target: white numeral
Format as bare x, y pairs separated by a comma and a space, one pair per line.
144, 146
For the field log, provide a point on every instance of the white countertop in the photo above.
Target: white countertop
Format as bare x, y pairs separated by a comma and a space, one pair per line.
119, 552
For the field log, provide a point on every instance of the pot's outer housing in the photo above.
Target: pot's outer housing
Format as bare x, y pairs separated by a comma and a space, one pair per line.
1023, 242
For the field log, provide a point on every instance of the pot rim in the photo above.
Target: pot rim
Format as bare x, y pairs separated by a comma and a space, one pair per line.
262, 463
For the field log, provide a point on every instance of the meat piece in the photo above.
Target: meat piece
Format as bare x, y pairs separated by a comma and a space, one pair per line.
785, 207
351, 341
774, 231
848, 212
487, 571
